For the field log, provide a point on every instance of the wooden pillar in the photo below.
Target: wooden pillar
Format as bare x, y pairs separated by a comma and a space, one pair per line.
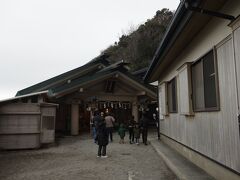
74, 119
135, 109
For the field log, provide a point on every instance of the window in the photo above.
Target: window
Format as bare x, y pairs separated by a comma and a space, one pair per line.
172, 96
204, 84
34, 99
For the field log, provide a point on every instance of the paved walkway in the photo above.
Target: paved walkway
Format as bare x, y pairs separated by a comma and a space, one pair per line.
75, 158
183, 168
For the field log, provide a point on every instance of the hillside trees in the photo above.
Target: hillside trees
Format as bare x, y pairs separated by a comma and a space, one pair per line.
138, 47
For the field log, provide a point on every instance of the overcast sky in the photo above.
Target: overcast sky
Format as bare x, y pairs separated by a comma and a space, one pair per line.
40, 39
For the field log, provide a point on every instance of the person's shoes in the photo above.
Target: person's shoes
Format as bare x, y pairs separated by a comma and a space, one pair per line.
98, 156
146, 143
104, 156
137, 143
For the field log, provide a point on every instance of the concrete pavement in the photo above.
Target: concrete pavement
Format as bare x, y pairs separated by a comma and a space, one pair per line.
182, 167
76, 158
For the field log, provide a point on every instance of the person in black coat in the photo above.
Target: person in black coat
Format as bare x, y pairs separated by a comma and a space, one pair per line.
144, 127
97, 118
130, 129
102, 139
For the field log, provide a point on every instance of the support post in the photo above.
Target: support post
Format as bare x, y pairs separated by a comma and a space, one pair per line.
135, 109
74, 119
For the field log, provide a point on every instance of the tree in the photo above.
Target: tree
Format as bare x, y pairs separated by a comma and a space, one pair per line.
138, 45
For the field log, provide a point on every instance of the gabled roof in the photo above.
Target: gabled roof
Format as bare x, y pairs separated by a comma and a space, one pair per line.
73, 80
102, 75
62, 78
182, 29
140, 73
116, 65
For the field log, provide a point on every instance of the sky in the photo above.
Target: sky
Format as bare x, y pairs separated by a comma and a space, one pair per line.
40, 39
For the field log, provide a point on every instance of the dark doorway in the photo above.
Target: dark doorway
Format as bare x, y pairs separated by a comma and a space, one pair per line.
121, 115
84, 119
63, 119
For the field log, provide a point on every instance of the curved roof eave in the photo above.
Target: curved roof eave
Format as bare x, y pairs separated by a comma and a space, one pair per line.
180, 19
100, 76
44, 85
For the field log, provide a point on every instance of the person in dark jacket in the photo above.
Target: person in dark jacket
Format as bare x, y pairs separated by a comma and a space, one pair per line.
144, 127
156, 119
93, 124
102, 139
136, 131
130, 129
96, 119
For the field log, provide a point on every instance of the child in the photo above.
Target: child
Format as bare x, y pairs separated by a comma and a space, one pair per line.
136, 131
121, 132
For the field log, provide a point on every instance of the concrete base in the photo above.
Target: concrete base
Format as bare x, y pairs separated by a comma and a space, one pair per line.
180, 166
215, 170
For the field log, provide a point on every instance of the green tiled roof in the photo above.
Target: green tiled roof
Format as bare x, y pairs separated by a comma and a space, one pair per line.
64, 86
42, 85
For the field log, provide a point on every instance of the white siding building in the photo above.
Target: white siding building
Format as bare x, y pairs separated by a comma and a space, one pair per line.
197, 67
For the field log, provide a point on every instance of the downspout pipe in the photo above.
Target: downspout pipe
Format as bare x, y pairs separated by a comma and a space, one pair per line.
208, 12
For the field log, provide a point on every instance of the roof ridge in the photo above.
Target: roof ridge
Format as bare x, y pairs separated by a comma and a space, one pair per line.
62, 77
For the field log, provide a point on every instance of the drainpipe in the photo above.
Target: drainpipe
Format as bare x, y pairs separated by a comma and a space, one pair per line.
208, 12
158, 113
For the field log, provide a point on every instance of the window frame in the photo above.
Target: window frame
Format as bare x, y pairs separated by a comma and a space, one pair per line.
163, 98
206, 109
176, 96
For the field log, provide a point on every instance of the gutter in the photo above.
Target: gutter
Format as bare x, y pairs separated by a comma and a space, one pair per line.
173, 27
183, 14
189, 6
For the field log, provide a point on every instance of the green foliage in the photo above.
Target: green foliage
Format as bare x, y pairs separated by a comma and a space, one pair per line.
138, 47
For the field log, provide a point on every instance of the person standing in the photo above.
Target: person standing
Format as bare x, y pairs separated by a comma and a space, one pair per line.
144, 127
136, 133
121, 132
96, 119
130, 129
155, 117
109, 125
102, 139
